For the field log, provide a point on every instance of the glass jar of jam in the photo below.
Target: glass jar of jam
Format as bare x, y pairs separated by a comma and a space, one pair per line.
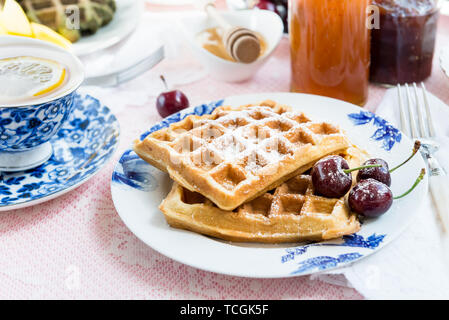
403, 45
330, 52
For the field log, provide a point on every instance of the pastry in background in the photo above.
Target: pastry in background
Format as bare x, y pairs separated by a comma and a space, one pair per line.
56, 14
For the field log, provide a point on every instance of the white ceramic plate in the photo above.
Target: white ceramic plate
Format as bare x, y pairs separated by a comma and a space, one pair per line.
138, 188
125, 20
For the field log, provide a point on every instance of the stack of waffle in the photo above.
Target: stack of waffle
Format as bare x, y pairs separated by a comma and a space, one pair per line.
71, 18
240, 174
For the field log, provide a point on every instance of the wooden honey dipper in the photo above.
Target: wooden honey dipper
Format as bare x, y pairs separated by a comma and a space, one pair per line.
242, 44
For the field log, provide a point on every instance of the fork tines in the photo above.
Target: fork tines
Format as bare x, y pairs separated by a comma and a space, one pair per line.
418, 106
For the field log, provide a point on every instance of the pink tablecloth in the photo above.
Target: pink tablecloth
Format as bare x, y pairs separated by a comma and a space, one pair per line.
76, 246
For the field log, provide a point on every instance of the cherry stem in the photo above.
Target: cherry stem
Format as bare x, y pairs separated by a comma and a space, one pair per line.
362, 167
415, 150
164, 81
418, 180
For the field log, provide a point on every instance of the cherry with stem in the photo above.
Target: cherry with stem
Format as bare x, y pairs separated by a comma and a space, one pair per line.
371, 198
331, 176
416, 147
170, 102
382, 173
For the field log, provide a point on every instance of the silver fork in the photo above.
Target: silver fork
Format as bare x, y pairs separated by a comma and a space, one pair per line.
438, 179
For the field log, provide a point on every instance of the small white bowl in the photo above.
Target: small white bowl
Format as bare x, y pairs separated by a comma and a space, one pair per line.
267, 23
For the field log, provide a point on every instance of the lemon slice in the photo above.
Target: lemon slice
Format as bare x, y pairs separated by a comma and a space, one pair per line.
24, 78
3, 31
14, 20
45, 33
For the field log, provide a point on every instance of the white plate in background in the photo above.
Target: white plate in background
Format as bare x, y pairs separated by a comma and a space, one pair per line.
125, 20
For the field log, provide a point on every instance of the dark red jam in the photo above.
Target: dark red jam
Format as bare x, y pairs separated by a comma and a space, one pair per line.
402, 48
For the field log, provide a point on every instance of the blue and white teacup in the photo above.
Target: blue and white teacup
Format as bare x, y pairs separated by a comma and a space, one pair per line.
27, 127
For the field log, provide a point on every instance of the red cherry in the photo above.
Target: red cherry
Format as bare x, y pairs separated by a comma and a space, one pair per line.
381, 174
329, 179
171, 102
266, 5
370, 198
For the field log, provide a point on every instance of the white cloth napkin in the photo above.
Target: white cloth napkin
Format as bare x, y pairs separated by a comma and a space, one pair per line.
414, 266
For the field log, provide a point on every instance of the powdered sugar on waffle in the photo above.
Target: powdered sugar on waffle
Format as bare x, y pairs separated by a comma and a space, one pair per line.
255, 136
230, 150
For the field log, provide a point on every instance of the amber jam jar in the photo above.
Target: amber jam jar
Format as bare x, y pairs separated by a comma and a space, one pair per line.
402, 48
330, 52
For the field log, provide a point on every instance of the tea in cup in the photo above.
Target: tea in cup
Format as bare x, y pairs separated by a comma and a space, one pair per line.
38, 82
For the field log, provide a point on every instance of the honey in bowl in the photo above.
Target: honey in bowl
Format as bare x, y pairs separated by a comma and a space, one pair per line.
212, 40
25, 79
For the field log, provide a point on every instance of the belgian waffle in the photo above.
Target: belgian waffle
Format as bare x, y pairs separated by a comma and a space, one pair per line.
238, 153
289, 213
56, 14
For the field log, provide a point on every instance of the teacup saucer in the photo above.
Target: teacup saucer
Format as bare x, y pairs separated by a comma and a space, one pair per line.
84, 144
